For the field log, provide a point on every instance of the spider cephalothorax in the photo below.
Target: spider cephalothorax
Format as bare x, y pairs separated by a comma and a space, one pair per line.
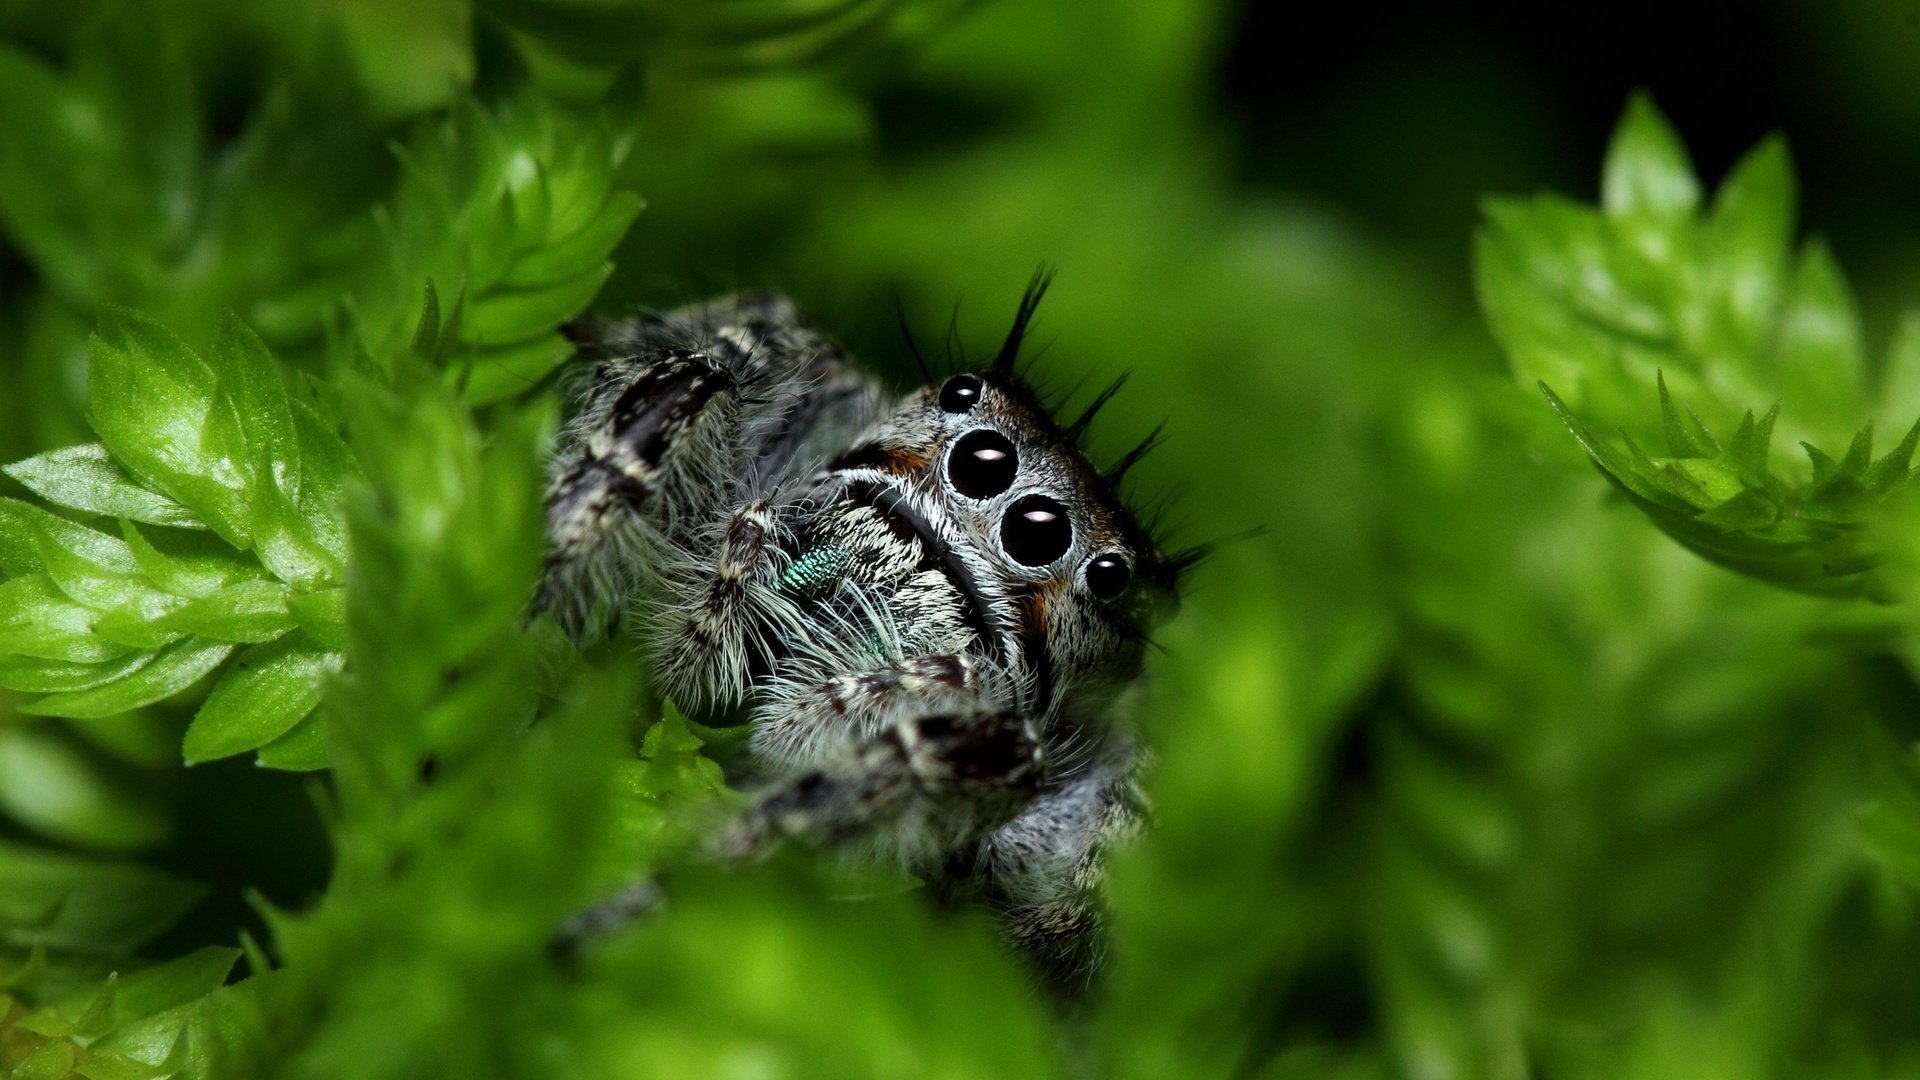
927, 604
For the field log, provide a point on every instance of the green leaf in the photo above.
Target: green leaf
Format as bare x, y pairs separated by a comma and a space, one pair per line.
187, 573
246, 611
326, 465
50, 1061
95, 906
37, 619
150, 991
49, 785
34, 675
1686, 437
1751, 237
586, 246
250, 380
85, 478
158, 409
270, 689
105, 587
512, 370
50, 532
506, 316
1647, 173
1645, 300
516, 210
304, 749
290, 545
1818, 362
323, 615
177, 667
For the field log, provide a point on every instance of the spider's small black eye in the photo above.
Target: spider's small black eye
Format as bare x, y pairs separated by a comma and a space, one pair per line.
1108, 575
982, 464
962, 392
1036, 530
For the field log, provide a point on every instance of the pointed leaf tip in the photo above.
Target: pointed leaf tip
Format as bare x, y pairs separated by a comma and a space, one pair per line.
1682, 441
1647, 171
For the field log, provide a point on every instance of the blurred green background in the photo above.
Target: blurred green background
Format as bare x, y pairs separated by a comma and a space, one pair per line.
1465, 769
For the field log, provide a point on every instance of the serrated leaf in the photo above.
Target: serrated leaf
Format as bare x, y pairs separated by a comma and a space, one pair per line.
94, 1017
87, 479
270, 689
1824, 467
1891, 471
1744, 510
177, 667
515, 208
1859, 454
506, 316
1683, 437
1747, 450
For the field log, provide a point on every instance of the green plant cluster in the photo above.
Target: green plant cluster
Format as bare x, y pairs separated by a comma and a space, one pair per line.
1463, 767
1648, 289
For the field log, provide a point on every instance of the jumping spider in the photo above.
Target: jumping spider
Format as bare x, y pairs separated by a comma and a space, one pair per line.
927, 605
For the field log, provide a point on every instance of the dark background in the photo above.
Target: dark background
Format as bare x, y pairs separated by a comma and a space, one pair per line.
1406, 113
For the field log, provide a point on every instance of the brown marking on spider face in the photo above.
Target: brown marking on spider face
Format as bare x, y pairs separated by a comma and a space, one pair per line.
1032, 632
891, 460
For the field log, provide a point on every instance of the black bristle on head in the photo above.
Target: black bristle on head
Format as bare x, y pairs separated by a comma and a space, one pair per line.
1010, 349
919, 361
1078, 428
1179, 562
1118, 470
1187, 558
955, 350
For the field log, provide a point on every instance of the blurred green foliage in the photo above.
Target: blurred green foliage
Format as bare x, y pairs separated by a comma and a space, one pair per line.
1464, 768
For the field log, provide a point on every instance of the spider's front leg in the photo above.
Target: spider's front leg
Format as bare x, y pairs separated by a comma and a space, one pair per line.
922, 787
633, 472
714, 631
684, 416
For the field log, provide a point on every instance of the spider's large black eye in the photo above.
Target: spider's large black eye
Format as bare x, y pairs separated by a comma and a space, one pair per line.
982, 464
1036, 530
962, 392
1108, 575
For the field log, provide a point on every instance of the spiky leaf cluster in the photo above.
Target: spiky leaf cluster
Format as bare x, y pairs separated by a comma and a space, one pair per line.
1606, 308
211, 530
514, 210
1724, 501
148, 1025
